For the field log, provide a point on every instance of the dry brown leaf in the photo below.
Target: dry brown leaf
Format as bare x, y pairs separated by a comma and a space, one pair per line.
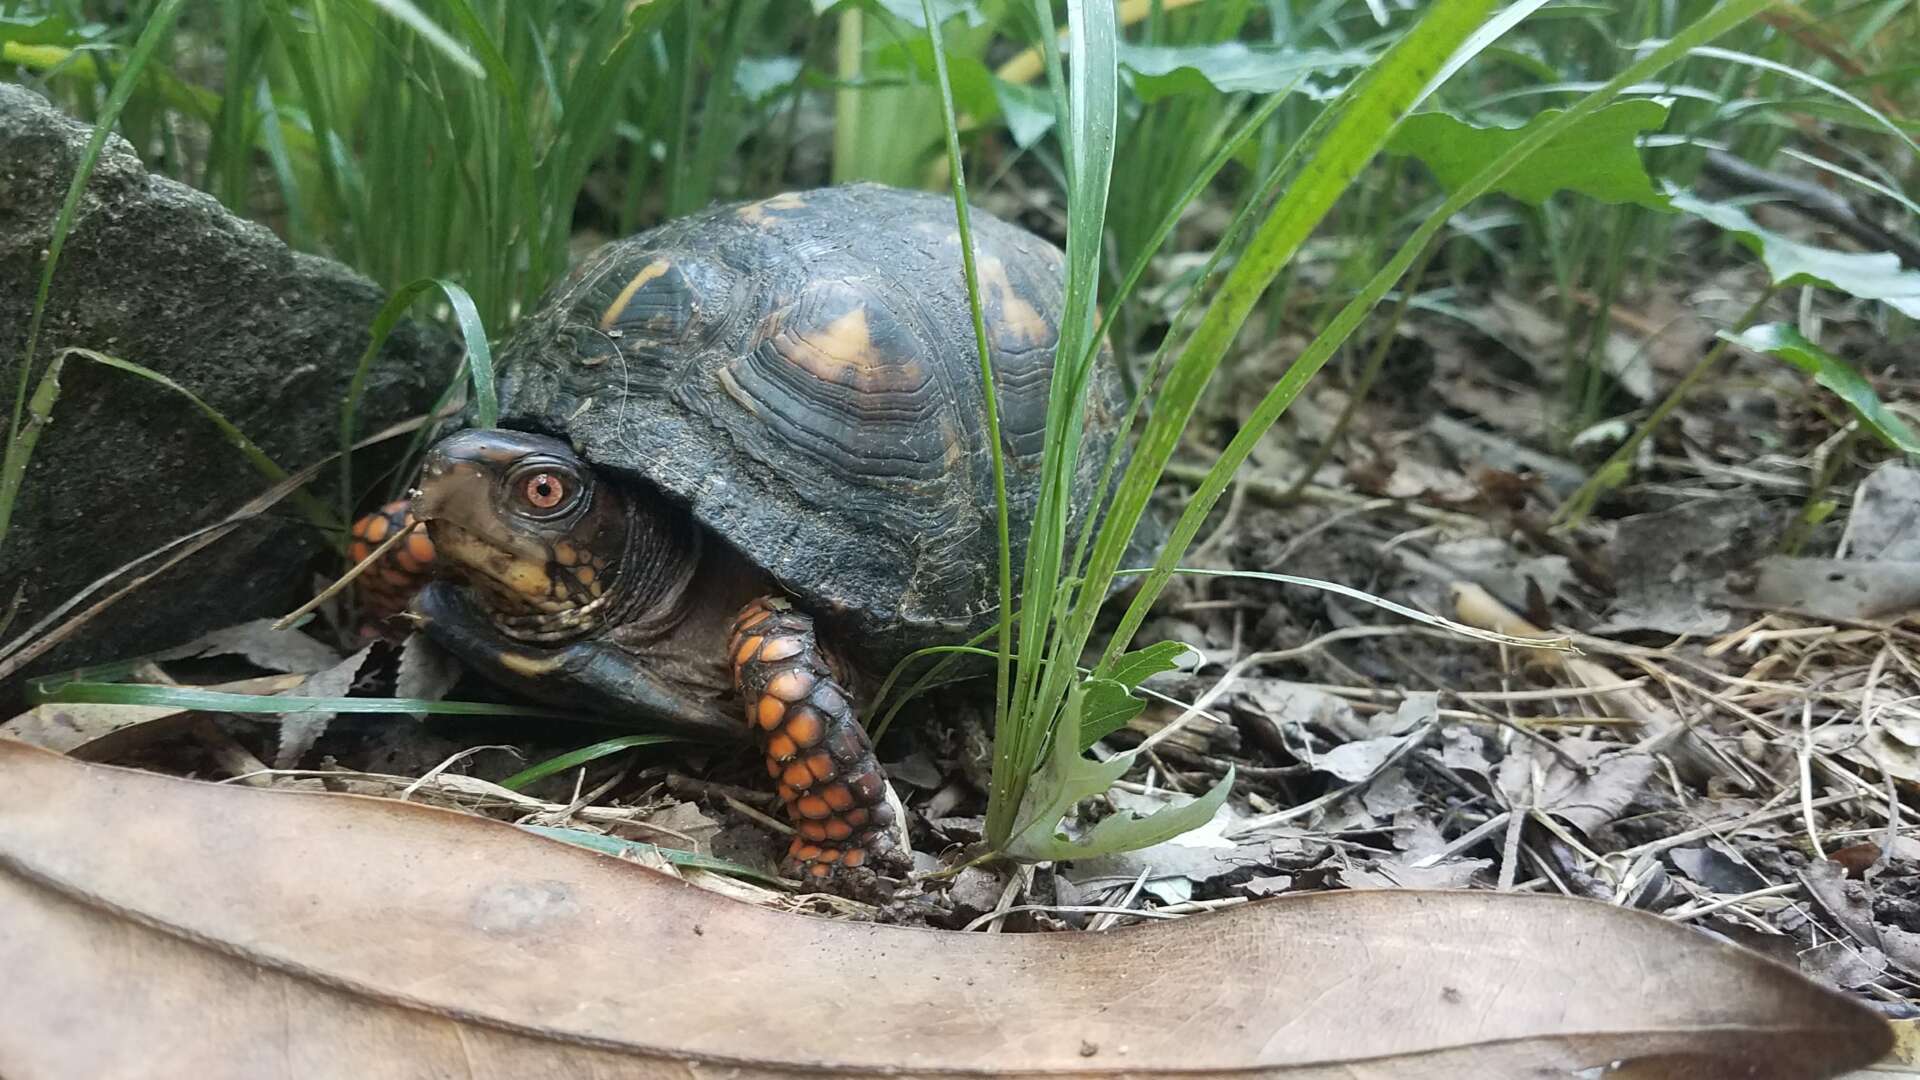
152, 926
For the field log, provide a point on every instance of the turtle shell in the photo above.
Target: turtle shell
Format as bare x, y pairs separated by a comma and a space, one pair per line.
801, 374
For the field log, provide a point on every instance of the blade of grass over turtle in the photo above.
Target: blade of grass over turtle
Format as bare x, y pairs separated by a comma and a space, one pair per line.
582, 756
957, 170
180, 697
159, 24
479, 363
1716, 22
1092, 99
691, 860
1364, 117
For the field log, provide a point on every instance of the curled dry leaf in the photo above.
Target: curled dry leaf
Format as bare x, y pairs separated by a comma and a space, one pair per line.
155, 926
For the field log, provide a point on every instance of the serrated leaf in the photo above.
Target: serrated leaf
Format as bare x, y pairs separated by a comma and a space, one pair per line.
1875, 276
1067, 777
1161, 71
1596, 157
1782, 342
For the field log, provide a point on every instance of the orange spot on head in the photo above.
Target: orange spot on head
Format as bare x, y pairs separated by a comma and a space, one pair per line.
803, 727
797, 776
790, 685
771, 711
813, 806
820, 765
780, 748
781, 648
854, 857
837, 829
838, 797
420, 546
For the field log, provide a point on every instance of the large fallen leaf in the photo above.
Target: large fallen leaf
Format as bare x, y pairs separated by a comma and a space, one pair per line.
151, 926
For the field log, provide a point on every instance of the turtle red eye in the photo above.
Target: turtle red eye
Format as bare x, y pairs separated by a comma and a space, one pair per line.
544, 491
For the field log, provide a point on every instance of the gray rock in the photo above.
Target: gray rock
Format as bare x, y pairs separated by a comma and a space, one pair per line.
160, 274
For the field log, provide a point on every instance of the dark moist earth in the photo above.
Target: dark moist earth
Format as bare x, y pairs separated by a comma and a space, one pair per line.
1372, 751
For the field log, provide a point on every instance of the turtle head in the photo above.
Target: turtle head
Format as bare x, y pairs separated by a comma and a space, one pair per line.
525, 521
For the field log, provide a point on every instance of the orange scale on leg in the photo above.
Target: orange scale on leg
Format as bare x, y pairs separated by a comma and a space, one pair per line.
780, 748
830, 855
420, 547
854, 857
803, 727
820, 764
376, 529
808, 852
796, 776
816, 832
856, 818
745, 651
820, 870
790, 685
813, 806
359, 551
782, 648
773, 767
838, 797
836, 829
771, 711
787, 794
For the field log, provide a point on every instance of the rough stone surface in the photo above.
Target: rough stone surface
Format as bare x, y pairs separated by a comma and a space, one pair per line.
160, 274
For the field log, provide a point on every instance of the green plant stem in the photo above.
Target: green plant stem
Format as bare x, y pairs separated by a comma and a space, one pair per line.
1581, 502
957, 170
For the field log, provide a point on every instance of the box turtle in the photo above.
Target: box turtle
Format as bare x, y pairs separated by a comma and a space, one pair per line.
740, 470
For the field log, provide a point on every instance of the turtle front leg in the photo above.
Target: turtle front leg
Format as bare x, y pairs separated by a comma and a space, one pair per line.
802, 719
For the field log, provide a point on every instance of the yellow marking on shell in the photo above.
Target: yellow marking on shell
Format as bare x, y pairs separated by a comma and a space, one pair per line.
529, 666
564, 554
756, 213
843, 352
651, 272
1020, 322
585, 575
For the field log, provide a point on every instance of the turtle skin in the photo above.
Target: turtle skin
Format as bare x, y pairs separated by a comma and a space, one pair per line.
784, 398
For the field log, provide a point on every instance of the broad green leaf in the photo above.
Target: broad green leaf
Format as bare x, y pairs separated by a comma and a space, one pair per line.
761, 77
1108, 709
1875, 276
1027, 111
1783, 342
1068, 777
1136, 667
1595, 157
1161, 71
38, 30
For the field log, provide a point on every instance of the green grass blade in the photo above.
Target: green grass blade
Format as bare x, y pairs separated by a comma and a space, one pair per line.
159, 24
614, 845
956, 167
479, 364
582, 756
1783, 342
1366, 118
1716, 22
432, 34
